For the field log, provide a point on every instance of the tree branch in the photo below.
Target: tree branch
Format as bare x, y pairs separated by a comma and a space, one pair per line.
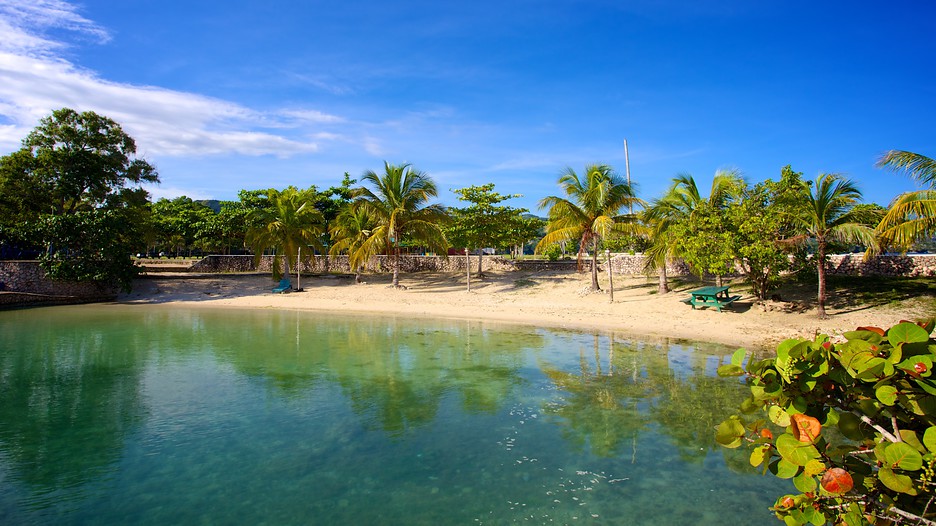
884, 432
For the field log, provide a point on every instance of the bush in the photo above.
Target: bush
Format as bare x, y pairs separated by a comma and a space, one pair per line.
852, 423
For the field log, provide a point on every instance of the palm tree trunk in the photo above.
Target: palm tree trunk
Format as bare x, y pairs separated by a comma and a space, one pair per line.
286, 272
664, 286
820, 270
594, 285
396, 267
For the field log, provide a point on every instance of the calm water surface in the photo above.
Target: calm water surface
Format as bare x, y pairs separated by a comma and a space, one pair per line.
157, 415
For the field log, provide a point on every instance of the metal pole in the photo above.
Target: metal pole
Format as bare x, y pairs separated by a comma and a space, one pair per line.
298, 262
610, 279
627, 170
468, 269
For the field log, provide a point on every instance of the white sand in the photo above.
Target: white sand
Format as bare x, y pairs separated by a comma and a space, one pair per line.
550, 299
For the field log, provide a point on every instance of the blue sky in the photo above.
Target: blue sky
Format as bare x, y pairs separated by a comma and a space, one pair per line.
231, 95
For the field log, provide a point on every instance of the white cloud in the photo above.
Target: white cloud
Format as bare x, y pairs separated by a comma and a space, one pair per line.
33, 82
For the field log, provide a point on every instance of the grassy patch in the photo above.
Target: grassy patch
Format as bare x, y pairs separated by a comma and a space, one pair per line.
521, 283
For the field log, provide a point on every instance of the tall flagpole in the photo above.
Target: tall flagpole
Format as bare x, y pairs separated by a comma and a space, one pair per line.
627, 169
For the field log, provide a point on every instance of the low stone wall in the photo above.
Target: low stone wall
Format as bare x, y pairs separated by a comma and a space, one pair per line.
911, 265
25, 283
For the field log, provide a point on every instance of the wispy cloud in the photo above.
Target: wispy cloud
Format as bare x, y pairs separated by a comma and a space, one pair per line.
34, 81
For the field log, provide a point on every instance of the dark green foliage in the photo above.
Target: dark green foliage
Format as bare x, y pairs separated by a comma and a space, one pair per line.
72, 193
88, 246
860, 411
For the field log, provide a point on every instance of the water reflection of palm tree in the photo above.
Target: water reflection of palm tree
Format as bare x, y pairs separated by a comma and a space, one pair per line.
602, 410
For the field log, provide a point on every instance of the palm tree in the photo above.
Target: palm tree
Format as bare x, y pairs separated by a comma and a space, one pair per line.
591, 211
678, 204
290, 222
350, 230
912, 215
398, 203
828, 213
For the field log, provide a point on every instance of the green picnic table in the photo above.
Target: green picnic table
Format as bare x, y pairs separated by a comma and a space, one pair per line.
717, 297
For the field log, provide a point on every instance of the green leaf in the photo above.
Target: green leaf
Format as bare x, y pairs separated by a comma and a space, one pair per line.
778, 416
814, 467
794, 451
906, 333
903, 456
887, 394
805, 483
730, 369
868, 336
738, 357
929, 438
783, 469
758, 454
896, 482
730, 432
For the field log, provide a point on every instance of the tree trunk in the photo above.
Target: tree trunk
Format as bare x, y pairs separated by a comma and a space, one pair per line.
480, 254
664, 286
718, 281
820, 270
594, 285
286, 272
396, 267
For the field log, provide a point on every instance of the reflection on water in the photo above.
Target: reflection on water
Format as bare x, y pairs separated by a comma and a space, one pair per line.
155, 415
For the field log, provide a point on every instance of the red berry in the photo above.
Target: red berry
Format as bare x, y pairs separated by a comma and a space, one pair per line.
787, 502
919, 367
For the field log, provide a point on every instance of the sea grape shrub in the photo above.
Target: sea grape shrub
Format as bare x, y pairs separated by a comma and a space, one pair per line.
852, 424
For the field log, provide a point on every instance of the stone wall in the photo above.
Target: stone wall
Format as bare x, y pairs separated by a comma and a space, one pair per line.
25, 283
621, 264
911, 265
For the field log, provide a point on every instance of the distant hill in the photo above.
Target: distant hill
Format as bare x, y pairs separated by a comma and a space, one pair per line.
213, 204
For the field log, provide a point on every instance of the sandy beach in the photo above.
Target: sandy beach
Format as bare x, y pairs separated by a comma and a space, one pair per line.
545, 299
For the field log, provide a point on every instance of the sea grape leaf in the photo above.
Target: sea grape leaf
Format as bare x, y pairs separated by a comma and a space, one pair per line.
903, 456
778, 416
738, 357
730, 432
794, 451
814, 467
730, 369
783, 469
929, 438
895, 481
805, 483
906, 332
887, 394
758, 454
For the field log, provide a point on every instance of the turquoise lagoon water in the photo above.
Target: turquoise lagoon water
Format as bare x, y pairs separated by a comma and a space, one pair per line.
155, 415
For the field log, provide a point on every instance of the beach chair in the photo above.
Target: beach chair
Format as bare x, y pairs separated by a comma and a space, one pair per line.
283, 286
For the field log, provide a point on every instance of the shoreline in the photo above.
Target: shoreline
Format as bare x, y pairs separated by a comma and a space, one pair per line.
540, 299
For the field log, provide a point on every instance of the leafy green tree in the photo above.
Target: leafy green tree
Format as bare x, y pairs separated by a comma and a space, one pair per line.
524, 229
290, 223
89, 245
762, 221
349, 234
912, 215
181, 223
589, 212
81, 159
826, 214
852, 423
75, 163
706, 241
399, 203
675, 211
484, 223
